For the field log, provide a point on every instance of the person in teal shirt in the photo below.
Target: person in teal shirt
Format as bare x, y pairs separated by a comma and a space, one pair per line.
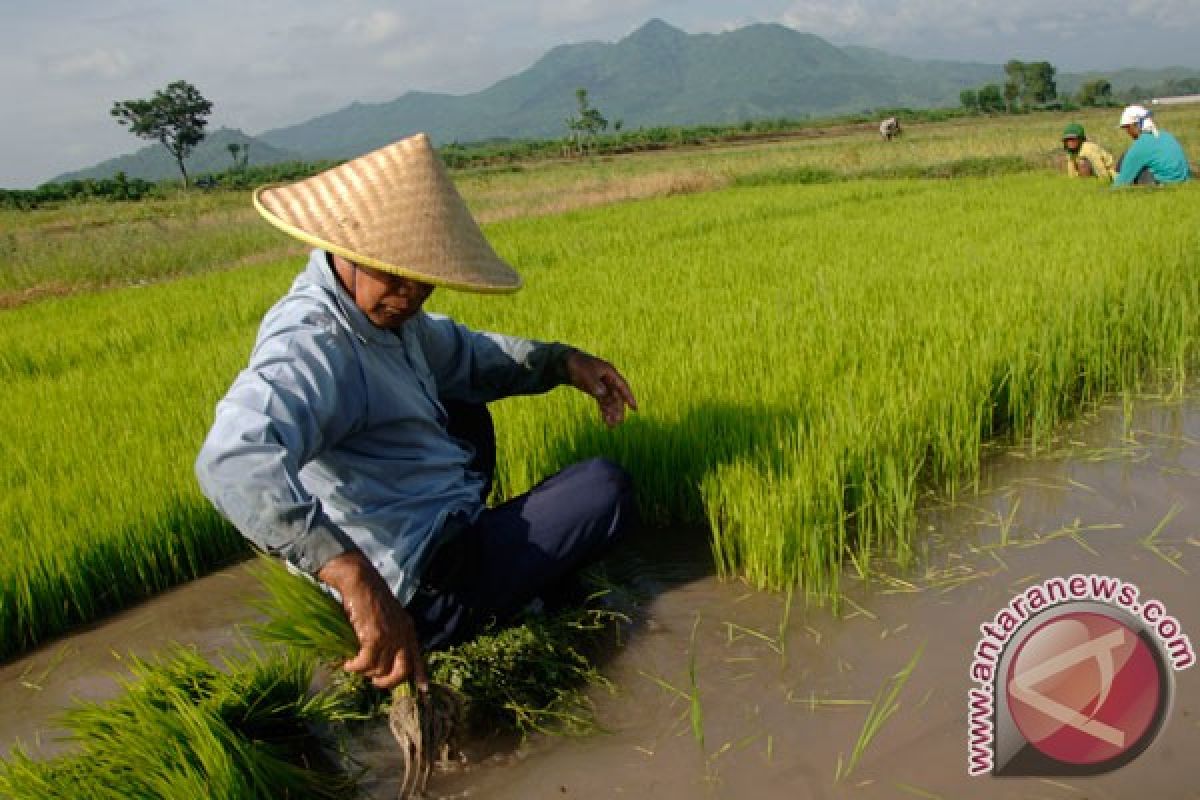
1155, 157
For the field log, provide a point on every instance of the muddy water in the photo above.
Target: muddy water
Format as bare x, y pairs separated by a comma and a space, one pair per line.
782, 698
86, 665
780, 709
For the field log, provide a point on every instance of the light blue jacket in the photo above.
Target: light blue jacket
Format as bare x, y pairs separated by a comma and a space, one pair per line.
1162, 154
334, 436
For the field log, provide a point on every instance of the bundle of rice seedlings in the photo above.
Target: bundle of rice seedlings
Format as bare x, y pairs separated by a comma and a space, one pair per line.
302, 617
183, 727
526, 677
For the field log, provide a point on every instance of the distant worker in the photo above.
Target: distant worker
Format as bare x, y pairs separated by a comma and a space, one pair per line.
1086, 159
889, 128
1155, 157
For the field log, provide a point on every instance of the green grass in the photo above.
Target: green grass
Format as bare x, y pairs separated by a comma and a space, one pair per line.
183, 727
530, 676
884, 706
253, 726
807, 359
97, 245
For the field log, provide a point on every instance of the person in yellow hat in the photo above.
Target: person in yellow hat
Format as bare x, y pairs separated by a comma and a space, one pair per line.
1086, 159
357, 444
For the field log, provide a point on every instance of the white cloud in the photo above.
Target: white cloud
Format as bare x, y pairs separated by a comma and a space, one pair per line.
575, 12
105, 63
884, 21
375, 27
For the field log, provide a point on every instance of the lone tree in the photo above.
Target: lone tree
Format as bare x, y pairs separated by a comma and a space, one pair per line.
588, 124
175, 116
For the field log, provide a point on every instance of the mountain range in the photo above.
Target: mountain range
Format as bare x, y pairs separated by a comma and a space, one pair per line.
658, 75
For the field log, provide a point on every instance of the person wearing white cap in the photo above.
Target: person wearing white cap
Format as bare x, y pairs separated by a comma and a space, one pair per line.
1155, 157
357, 444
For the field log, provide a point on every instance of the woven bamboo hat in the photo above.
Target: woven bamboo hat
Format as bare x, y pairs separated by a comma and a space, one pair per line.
396, 210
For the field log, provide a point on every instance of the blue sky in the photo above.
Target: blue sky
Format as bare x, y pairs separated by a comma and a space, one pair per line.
268, 63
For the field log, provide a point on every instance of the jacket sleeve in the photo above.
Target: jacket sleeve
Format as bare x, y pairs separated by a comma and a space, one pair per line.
481, 367
297, 397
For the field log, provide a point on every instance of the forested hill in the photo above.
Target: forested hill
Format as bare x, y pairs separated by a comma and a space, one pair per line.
658, 75
152, 162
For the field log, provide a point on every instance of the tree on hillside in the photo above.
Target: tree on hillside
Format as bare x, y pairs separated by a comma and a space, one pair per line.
969, 99
1095, 93
174, 116
588, 124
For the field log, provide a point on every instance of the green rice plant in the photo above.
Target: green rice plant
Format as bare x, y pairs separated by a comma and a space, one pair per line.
882, 709
695, 710
184, 728
527, 677
301, 616
101, 244
808, 359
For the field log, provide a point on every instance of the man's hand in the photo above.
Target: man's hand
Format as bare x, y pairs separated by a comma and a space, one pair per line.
389, 653
601, 380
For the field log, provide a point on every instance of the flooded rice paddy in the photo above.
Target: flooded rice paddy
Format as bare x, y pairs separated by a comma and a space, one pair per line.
724, 692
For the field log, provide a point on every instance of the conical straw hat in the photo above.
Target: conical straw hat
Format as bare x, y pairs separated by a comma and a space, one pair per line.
396, 210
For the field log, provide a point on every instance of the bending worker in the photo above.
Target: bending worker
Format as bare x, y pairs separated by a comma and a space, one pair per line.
357, 444
1085, 158
1155, 157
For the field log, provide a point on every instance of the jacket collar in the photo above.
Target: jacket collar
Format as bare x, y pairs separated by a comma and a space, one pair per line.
319, 272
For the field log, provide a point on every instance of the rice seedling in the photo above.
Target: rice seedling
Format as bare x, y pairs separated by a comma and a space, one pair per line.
695, 710
1150, 541
253, 727
882, 709
527, 677
185, 728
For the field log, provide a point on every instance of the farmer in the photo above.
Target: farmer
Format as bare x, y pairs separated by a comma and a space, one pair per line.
356, 444
889, 128
1155, 157
1086, 159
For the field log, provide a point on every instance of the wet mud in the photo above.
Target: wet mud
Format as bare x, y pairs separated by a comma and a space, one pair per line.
781, 699
88, 664
721, 691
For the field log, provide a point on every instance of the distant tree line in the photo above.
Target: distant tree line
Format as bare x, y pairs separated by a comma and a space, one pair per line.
1032, 85
1168, 88
492, 154
121, 188
1028, 85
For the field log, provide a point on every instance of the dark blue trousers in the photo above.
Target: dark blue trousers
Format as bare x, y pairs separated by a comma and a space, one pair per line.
520, 550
